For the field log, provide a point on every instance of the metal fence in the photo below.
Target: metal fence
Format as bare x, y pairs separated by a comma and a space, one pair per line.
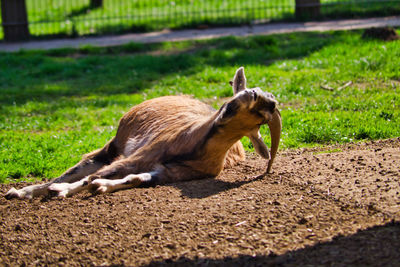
55, 18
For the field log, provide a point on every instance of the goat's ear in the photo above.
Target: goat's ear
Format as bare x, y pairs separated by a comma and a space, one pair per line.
239, 81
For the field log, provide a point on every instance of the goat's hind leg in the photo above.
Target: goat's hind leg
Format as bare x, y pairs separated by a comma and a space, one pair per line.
77, 180
88, 165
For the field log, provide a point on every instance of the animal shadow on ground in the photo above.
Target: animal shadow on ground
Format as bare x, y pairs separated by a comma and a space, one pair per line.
375, 246
195, 188
207, 187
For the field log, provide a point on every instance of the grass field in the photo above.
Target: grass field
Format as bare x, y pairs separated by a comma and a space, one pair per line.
77, 17
57, 105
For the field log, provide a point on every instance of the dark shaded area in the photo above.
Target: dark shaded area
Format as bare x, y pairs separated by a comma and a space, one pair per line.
375, 246
80, 11
383, 33
308, 8
14, 20
354, 9
347, 10
47, 78
49, 75
208, 187
96, 3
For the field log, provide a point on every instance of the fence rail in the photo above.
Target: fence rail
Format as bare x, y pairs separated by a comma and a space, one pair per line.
23, 19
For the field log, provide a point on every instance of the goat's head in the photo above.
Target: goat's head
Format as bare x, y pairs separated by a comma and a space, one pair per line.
249, 109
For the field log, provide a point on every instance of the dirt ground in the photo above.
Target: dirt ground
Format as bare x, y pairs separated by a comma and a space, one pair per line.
336, 206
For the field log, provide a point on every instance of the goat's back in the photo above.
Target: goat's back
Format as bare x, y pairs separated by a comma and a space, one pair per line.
167, 126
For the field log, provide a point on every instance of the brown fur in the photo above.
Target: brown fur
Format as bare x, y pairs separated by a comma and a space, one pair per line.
168, 130
168, 139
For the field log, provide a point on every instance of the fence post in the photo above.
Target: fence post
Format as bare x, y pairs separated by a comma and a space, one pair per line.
96, 3
14, 20
307, 8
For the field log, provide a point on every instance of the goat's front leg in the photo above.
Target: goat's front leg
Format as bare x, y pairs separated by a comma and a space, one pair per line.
101, 186
119, 175
258, 143
79, 171
69, 189
115, 171
160, 174
90, 164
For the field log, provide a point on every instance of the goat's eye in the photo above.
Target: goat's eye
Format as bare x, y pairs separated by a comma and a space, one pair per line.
254, 95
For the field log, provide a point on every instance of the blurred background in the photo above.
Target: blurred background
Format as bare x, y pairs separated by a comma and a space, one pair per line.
33, 19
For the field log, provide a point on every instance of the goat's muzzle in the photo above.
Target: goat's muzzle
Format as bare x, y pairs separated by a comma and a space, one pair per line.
275, 128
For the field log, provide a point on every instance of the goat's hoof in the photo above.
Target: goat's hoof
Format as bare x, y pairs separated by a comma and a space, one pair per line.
97, 188
57, 190
92, 188
21, 194
92, 178
12, 193
101, 190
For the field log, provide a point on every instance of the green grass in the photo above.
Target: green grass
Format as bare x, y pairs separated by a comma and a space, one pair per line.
57, 105
61, 18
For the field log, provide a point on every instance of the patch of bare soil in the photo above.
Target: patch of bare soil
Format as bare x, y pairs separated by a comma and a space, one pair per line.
329, 206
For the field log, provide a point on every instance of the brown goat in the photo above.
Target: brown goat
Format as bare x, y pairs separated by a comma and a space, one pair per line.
171, 138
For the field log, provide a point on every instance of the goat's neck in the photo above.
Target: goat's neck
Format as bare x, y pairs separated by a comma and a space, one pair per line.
224, 137
217, 143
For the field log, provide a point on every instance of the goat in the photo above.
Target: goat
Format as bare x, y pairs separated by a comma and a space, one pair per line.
169, 139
